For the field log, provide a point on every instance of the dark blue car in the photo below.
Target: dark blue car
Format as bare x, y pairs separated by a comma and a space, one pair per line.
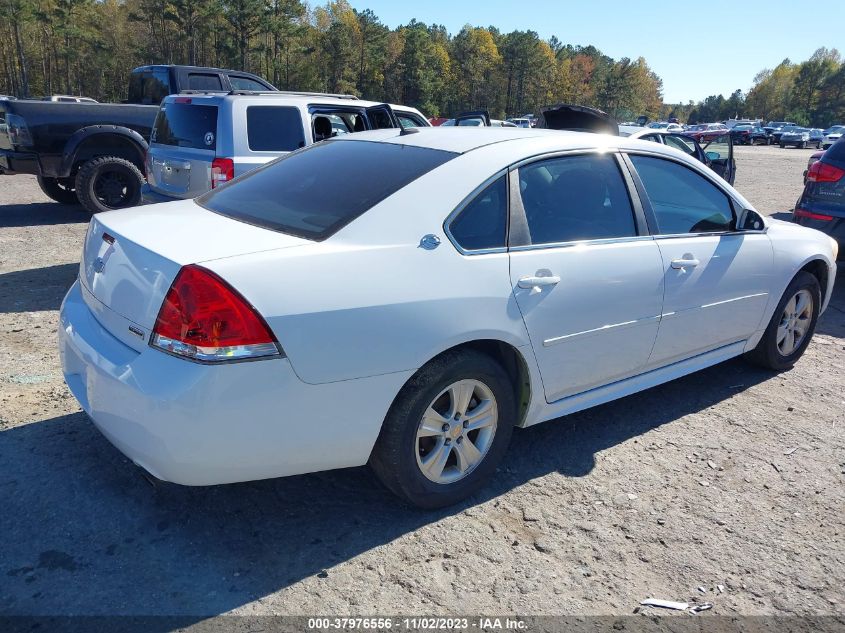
822, 205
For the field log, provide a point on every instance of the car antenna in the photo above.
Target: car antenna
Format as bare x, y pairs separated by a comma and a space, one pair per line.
408, 130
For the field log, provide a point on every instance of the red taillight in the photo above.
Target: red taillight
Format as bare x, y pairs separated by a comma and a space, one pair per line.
222, 170
182, 100
824, 172
204, 318
803, 213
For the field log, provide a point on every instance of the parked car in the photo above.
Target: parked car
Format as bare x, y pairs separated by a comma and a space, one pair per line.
776, 133
801, 137
666, 126
704, 132
201, 141
716, 154
822, 204
69, 99
814, 157
93, 153
759, 136
832, 134
521, 122
477, 118
406, 299
741, 133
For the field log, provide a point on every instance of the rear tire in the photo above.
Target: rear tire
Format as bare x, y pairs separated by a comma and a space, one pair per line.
59, 189
422, 453
780, 348
803, 145
107, 183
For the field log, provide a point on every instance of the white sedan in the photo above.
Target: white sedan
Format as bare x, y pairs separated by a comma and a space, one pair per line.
405, 299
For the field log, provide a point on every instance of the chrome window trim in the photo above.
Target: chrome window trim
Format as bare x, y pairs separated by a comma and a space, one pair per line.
575, 243
564, 152
463, 204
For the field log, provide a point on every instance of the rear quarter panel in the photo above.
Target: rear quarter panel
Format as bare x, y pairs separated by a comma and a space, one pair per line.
369, 300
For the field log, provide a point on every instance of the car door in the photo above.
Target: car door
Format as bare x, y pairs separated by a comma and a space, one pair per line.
474, 118
586, 276
716, 278
382, 116
719, 156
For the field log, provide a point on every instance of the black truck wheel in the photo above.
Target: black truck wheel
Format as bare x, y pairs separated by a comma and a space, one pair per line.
107, 183
59, 189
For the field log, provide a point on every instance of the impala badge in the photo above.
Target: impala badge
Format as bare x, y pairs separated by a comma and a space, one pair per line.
99, 265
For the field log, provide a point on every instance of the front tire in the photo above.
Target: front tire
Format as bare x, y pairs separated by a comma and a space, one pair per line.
107, 183
792, 326
59, 189
447, 430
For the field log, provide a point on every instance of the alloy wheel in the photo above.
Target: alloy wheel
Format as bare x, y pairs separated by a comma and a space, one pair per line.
794, 322
456, 431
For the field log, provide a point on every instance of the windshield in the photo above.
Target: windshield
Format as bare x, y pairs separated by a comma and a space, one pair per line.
292, 194
658, 126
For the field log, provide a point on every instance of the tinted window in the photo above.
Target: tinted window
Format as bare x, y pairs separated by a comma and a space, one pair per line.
406, 120
149, 87
244, 83
682, 200
575, 198
483, 222
204, 82
316, 191
379, 119
837, 151
186, 125
274, 129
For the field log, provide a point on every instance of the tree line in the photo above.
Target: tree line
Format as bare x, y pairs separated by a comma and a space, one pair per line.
88, 47
810, 93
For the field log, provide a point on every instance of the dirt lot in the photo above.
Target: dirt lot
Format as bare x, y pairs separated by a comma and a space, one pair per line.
732, 477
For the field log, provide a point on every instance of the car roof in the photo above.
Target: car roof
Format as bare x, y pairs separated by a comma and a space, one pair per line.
525, 141
291, 98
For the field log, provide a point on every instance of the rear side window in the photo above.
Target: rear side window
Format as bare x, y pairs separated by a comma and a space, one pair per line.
576, 198
186, 125
149, 87
203, 81
683, 201
315, 192
244, 83
483, 222
274, 129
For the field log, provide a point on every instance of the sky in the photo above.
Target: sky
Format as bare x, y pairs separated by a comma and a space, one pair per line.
697, 48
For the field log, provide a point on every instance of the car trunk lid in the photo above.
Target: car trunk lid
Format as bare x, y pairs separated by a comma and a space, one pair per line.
131, 257
577, 118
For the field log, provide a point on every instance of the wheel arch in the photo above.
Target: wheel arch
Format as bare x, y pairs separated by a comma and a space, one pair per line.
103, 140
820, 269
512, 360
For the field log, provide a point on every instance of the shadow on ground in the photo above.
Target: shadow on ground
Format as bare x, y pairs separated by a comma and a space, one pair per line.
36, 289
84, 533
41, 214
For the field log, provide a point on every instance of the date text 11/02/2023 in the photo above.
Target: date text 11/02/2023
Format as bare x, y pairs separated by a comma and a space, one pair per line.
416, 624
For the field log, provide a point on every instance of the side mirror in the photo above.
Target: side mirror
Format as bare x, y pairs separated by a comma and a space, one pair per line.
750, 220
713, 155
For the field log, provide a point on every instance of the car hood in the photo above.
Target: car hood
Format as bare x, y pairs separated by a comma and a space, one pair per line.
577, 118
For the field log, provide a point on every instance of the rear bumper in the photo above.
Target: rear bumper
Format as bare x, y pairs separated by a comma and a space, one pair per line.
199, 424
12, 162
151, 196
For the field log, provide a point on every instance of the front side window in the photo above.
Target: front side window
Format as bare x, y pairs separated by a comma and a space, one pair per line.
683, 200
274, 128
483, 222
316, 191
576, 198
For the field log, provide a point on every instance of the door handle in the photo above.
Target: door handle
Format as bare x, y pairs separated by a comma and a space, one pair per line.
679, 264
538, 282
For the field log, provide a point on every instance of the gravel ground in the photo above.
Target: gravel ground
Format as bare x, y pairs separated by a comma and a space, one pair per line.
731, 477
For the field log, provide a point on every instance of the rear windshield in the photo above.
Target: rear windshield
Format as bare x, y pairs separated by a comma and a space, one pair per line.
836, 151
186, 125
315, 192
